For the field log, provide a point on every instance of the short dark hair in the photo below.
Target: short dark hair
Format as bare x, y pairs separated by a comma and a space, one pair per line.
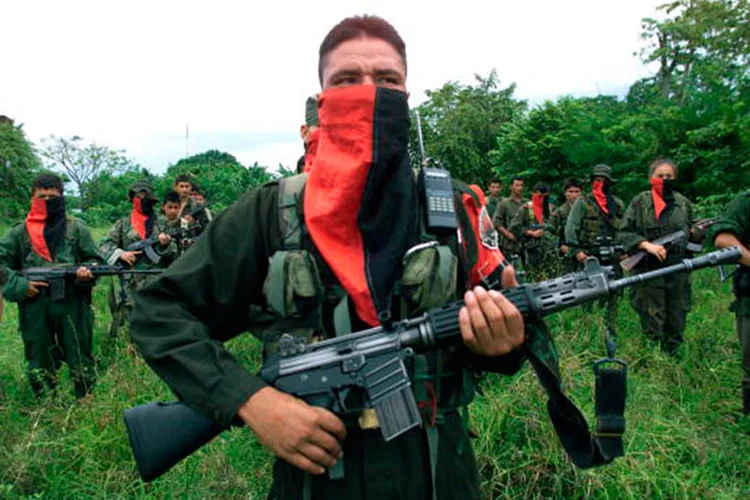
355, 27
541, 187
662, 160
47, 180
495, 180
182, 178
572, 182
517, 178
171, 197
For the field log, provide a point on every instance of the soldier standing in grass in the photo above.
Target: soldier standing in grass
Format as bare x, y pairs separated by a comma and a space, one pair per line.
494, 196
60, 330
572, 186
531, 227
503, 216
733, 229
662, 304
597, 214
337, 248
142, 223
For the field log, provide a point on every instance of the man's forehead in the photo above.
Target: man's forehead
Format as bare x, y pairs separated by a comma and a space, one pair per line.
355, 54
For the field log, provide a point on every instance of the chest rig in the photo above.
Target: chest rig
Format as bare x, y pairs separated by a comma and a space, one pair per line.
305, 300
597, 223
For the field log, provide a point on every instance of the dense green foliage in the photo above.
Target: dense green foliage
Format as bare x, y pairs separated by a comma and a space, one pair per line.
683, 440
696, 110
18, 165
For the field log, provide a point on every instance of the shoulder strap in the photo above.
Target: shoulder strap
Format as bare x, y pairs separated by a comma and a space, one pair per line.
290, 214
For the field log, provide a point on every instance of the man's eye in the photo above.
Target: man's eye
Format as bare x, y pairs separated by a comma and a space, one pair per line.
346, 80
387, 80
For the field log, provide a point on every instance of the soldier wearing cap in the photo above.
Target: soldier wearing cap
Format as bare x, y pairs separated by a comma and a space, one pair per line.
595, 217
142, 223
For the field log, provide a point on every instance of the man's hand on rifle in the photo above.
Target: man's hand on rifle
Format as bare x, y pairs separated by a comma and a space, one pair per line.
83, 274
657, 251
35, 287
508, 234
130, 257
307, 437
164, 239
490, 324
582, 256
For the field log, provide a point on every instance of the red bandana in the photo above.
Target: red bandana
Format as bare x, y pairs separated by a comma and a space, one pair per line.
35, 221
138, 219
599, 196
657, 195
537, 204
360, 197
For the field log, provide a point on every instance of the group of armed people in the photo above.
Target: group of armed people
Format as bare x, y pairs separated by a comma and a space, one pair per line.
57, 326
659, 223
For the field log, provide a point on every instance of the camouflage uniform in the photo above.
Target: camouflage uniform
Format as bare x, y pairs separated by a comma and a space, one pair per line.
112, 247
492, 203
586, 221
539, 254
53, 331
662, 304
503, 217
736, 220
557, 225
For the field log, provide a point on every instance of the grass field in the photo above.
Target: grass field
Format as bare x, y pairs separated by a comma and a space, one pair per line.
684, 439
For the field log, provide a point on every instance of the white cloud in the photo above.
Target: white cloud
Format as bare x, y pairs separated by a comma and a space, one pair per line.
132, 75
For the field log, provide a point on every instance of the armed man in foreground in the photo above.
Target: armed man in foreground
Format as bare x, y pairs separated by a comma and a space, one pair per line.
367, 256
53, 330
733, 228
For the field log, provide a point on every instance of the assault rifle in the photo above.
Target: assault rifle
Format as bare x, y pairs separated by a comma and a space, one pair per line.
605, 250
693, 247
372, 361
147, 246
56, 276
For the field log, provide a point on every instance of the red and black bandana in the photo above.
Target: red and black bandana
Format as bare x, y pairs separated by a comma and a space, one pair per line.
601, 197
360, 203
662, 195
46, 226
538, 205
142, 216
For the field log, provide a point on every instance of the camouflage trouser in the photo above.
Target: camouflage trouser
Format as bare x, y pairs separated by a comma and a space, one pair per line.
57, 331
374, 469
663, 305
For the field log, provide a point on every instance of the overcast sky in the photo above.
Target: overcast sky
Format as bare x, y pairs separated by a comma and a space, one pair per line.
133, 75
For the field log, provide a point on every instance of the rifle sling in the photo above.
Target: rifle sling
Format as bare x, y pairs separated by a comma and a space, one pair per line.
584, 449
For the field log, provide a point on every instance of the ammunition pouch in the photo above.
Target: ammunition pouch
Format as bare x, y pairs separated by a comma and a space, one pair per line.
429, 278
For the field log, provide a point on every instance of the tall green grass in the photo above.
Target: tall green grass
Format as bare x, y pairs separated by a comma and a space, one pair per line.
684, 437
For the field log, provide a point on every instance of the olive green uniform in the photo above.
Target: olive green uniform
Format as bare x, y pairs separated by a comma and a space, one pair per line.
587, 221
504, 215
492, 203
736, 220
662, 304
557, 223
53, 331
540, 255
122, 235
182, 319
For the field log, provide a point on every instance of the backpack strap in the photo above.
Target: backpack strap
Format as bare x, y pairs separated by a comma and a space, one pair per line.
291, 222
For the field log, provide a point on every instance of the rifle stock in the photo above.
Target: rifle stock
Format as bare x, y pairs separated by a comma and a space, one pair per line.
162, 434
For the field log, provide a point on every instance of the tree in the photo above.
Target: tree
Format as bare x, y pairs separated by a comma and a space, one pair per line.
18, 166
84, 164
225, 178
461, 122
